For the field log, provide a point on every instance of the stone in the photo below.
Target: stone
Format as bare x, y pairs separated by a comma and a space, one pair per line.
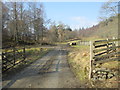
100, 75
94, 78
104, 73
110, 75
98, 72
101, 79
98, 65
94, 71
104, 76
115, 73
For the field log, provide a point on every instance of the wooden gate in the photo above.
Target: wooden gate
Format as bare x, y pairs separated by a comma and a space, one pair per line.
11, 57
102, 51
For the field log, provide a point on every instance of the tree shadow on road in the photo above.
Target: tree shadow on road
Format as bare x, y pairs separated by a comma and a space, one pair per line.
39, 70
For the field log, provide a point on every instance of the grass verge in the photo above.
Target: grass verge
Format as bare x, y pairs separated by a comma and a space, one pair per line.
78, 58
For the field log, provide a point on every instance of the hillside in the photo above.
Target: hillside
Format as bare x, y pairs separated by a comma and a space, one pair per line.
108, 28
105, 29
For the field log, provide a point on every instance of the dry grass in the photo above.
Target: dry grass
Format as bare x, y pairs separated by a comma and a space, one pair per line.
79, 61
111, 65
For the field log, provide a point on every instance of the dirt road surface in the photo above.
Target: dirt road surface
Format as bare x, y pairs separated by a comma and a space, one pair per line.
51, 71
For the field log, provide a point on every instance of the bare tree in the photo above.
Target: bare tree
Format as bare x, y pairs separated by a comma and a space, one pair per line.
37, 20
109, 9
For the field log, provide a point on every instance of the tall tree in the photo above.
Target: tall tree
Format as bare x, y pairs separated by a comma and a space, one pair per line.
37, 20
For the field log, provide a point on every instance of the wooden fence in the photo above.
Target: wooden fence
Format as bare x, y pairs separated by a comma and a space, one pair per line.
83, 43
102, 51
11, 57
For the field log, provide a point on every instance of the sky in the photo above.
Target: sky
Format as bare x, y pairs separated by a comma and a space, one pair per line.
74, 14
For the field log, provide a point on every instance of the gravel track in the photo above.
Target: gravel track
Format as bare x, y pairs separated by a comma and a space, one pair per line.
51, 71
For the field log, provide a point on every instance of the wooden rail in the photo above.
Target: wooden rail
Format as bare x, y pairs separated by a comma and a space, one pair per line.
14, 56
102, 51
83, 43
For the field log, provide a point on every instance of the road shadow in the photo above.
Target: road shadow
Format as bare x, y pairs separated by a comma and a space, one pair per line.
41, 70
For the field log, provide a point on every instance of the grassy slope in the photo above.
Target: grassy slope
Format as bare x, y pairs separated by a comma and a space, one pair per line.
108, 29
79, 62
105, 29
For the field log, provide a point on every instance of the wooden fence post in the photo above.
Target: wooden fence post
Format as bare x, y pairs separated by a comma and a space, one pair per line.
114, 44
114, 41
24, 53
14, 55
117, 42
91, 58
107, 45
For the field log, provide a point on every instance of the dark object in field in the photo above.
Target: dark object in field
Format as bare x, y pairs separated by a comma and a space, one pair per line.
73, 44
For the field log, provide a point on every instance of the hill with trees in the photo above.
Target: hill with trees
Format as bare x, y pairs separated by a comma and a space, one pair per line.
105, 29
